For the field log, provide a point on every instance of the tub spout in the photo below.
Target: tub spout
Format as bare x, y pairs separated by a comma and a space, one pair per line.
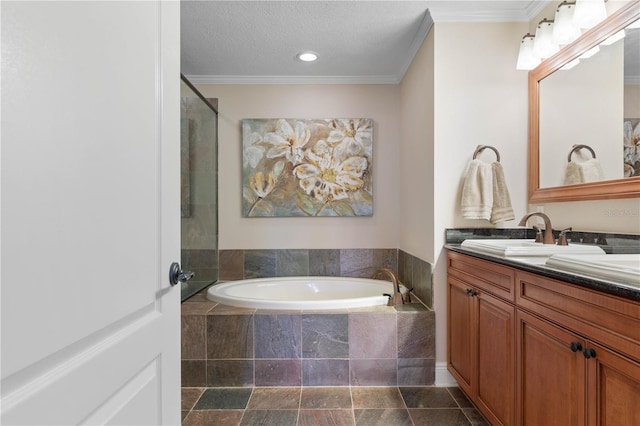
397, 299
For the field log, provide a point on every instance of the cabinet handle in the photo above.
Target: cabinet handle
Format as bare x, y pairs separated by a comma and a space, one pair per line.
589, 353
472, 292
469, 291
575, 346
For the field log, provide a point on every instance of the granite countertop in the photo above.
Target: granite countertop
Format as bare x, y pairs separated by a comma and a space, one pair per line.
610, 243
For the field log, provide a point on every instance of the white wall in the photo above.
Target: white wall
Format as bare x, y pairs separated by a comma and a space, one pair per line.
416, 155
379, 102
480, 98
632, 101
621, 216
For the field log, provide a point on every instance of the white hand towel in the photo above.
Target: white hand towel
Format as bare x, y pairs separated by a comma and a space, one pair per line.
501, 210
477, 191
586, 171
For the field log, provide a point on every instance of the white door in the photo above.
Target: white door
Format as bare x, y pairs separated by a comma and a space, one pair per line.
90, 212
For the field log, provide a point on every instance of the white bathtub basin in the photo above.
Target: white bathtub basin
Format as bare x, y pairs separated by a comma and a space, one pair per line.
292, 293
623, 268
527, 248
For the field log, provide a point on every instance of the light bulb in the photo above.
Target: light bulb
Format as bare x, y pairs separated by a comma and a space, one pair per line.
307, 56
543, 45
564, 30
617, 36
570, 65
527, 60
589, 13
589, 53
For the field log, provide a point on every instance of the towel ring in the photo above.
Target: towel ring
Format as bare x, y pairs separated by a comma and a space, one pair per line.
481, 148
577, 147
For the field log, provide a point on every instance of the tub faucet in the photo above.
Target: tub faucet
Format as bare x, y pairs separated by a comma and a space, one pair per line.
397, 295
548, 231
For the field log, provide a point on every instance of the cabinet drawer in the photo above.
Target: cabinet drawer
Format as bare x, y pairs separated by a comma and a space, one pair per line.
606, 319
491, 277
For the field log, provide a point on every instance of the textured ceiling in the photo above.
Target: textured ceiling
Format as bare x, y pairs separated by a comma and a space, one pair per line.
356, 41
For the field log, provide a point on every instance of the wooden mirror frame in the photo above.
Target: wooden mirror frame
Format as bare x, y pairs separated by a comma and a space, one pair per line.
608, 189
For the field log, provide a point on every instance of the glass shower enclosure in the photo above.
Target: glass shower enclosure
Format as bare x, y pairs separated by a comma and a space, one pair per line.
198, 188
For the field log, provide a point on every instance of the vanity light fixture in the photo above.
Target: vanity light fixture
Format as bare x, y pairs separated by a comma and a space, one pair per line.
571, 64
527, 59
307, 56
589, 53
634, 25
589, 13
617, 36
543, 45
570, 18
564, 30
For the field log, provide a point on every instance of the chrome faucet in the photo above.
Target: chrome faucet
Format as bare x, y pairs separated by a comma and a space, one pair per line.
548, 231
397, 299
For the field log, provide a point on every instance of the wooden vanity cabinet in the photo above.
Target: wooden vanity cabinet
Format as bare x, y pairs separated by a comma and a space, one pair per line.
613, 388
481, 335
558, 384
588, 345
551, 382
572, 358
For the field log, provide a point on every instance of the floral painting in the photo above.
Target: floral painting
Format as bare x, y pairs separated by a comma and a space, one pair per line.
632, 147
307, 167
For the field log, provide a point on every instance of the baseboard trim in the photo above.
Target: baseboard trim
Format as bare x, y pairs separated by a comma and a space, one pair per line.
443, 377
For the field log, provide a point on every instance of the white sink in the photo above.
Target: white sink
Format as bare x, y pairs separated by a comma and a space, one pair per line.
527, 248
623, 268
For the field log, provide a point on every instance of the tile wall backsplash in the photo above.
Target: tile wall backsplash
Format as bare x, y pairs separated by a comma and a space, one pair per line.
244, 264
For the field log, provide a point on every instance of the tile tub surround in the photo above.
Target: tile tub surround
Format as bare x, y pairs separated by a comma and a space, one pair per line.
413, 272
223, 346
316, 406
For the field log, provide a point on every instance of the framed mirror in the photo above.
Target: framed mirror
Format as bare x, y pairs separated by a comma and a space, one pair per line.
578, 112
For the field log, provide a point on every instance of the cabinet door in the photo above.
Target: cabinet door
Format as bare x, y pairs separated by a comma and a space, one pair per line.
551, 376
496, 359
462, 335
613, 389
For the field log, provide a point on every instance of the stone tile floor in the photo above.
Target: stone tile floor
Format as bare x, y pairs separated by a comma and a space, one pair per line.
319, 406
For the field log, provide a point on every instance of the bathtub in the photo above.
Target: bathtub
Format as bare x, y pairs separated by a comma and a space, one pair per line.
293, 293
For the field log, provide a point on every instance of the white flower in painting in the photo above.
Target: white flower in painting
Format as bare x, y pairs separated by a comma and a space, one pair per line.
287, 142
262, 185
326, 178
350, 137
631, 143
252, 152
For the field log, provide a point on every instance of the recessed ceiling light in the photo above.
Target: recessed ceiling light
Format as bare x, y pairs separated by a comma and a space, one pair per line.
307, 56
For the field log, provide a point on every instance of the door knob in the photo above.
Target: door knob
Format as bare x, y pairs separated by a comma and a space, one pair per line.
177, 275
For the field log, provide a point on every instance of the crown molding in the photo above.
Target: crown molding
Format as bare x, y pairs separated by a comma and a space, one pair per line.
293, 79
465, 11
421, 34
535, 8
